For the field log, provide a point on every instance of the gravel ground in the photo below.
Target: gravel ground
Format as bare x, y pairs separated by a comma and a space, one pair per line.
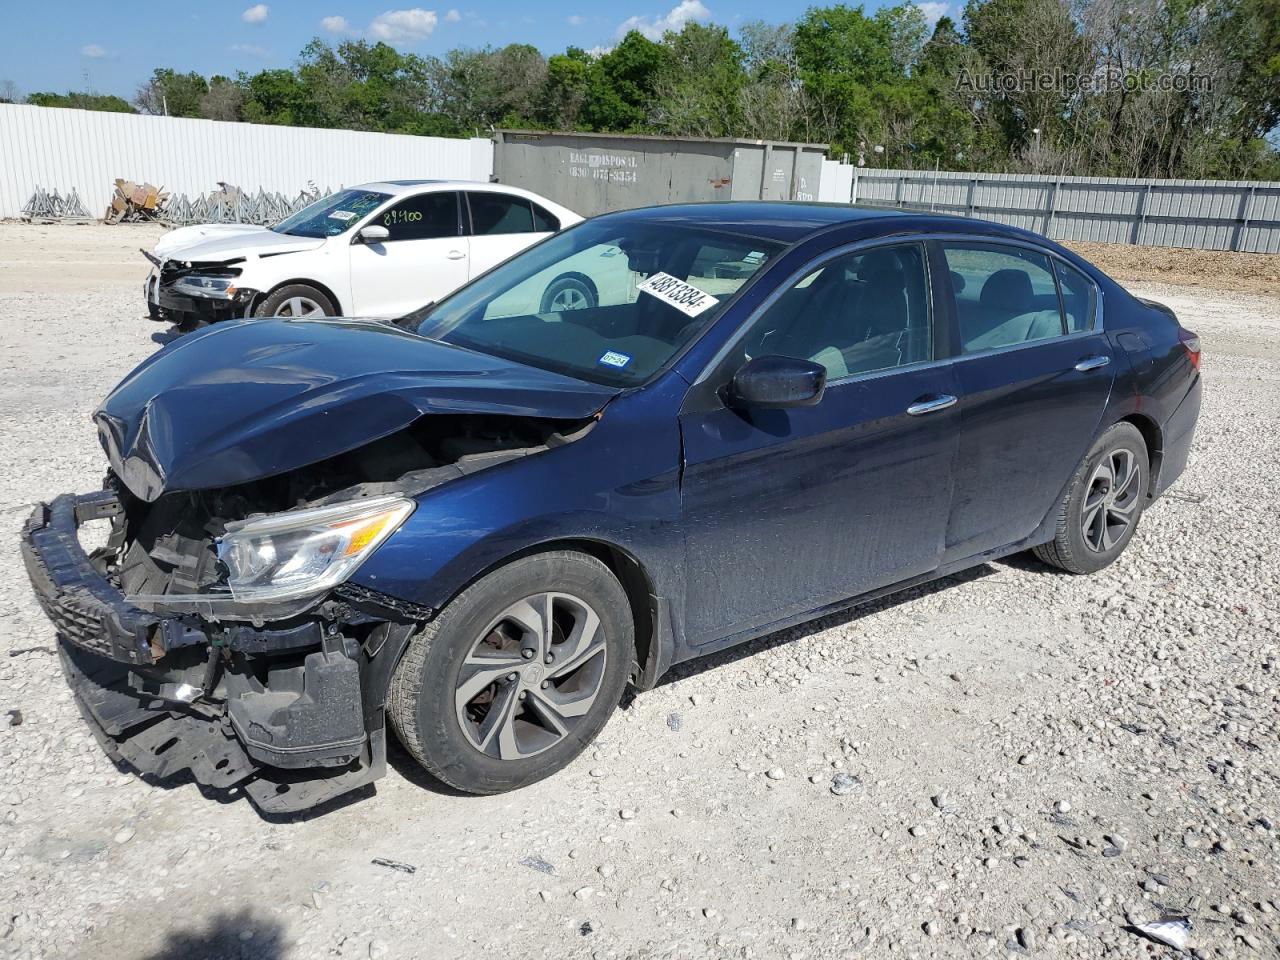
1011, 761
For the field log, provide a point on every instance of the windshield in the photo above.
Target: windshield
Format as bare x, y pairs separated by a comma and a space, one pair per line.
610, 302
335, 214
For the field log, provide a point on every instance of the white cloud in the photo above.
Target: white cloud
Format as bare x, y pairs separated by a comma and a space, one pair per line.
675, 20
250, 49
256, 14
934, 11
93, 51
453, 16
403, 27
576, 20
335, 24
595, 53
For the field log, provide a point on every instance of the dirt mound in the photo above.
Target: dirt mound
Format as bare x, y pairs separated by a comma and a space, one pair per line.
1245, 272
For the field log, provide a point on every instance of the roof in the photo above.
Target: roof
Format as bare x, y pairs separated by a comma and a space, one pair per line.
784, 221
790, 222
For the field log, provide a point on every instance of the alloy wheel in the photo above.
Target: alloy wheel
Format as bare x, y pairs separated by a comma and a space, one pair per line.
531, 677
1111, 500
570, 298
299, 307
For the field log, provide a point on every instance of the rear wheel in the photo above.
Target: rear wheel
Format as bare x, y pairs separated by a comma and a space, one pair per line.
1100, 513
572, 291
517, 675
296, 300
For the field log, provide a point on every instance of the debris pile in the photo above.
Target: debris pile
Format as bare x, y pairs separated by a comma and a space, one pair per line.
230, 204
45, 206
134, 203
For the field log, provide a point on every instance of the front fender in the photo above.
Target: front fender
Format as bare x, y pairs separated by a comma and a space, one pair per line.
618, 486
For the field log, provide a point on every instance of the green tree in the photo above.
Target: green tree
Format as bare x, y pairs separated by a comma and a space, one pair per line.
698, 91
171, 93
82, 101
624, 83
275, 96
565, 93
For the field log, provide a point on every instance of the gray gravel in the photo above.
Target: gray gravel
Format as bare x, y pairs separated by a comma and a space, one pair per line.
1011, 762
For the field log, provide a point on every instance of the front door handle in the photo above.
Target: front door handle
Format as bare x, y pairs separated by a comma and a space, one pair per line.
931, 404
1092, 363
456, 254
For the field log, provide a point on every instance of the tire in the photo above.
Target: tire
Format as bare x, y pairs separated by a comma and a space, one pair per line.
443, 694
302, 297
574, 291
1111, 485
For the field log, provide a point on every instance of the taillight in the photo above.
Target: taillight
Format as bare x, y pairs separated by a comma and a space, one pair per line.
1190, 343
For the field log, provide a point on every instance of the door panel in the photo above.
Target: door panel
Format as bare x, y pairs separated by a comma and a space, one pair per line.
424, 259
1026, 420
788, 510
1027, 415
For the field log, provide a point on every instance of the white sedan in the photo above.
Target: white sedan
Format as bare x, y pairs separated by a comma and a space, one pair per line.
380, 249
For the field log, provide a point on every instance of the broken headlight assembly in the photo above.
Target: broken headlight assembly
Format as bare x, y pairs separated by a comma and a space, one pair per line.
285, 556
212, 288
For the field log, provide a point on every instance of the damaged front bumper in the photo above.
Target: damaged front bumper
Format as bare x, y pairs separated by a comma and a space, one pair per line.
289, 714
173, 295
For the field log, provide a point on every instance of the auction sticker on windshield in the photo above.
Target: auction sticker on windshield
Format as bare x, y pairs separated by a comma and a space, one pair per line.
342, 215
685, 297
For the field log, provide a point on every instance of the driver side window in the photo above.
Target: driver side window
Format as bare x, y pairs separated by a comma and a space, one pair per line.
424, 217
856, 313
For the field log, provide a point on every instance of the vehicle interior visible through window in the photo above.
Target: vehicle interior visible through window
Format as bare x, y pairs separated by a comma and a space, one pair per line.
1004, 296
856, 314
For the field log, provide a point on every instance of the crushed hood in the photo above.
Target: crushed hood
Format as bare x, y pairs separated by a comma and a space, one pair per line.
216, 242
242, 401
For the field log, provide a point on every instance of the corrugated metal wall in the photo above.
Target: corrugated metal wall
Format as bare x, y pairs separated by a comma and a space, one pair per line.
86, 150
1201, 214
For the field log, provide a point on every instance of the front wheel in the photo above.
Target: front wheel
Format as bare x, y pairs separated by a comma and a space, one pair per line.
296, 300
517, 675
1098, 517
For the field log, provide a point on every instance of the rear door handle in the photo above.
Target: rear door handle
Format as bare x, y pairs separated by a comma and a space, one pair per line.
931, 405
1092, 363
456, 254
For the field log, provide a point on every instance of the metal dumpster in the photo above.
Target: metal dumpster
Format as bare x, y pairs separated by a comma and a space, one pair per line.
594, 173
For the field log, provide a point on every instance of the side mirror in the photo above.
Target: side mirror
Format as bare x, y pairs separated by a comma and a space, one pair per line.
778, 382
373, 233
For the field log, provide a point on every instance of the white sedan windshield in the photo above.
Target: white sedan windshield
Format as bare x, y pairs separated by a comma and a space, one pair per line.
335, 214
609, 302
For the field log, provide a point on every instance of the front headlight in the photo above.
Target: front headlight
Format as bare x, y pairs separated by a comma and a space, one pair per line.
296, 554
214, 288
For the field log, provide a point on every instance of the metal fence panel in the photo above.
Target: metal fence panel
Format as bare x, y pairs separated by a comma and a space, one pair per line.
86, 150
1200, 214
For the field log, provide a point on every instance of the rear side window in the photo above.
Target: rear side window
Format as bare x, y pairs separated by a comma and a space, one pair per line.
543, 221
1004, 295
498, 213
424, 217
1079, 298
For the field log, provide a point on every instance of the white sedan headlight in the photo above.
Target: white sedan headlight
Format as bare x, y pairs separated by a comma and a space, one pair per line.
296, 554
210, 288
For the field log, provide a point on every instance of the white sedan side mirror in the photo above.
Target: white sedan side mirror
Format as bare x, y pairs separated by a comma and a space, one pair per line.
374, 233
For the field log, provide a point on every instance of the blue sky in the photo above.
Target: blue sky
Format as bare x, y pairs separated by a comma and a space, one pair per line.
113, 47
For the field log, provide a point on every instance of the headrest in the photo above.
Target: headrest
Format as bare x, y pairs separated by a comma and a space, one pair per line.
881, 268
1008, 290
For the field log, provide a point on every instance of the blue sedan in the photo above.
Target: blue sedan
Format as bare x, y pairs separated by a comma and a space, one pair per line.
657, 434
